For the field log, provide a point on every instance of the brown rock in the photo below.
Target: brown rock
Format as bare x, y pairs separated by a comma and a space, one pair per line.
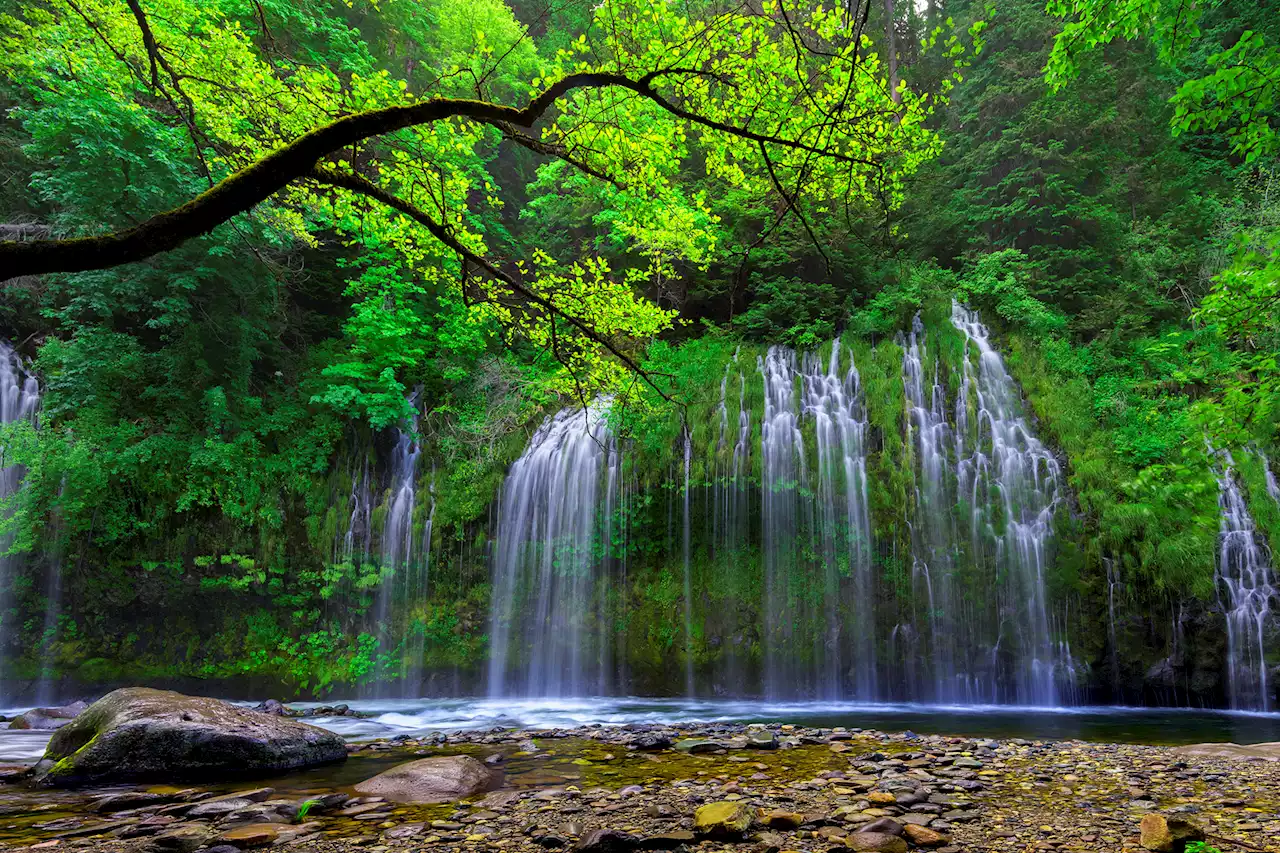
183, 838
440, 779
253, 835
1168, 834
1267, 751
874, 842
922, 836
48, 719
782, 819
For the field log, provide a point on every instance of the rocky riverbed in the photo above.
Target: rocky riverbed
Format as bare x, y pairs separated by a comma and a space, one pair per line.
704, 787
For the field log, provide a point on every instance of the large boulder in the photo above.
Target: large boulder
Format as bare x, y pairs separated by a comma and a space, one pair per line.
441, 779
140, 734
1265, 751
47, 719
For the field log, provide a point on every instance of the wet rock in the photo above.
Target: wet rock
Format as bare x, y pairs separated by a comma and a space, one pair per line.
273, 707
14, 772
137, 733
253, 835
782, 819
922, 836
407, 830
607, 841
884, 825
183, 838
48, 719
873, 842
694, 745
723, 820
128, 800
1266, 751
218, 808
668, 840
1168, 835
650, 741
440, 779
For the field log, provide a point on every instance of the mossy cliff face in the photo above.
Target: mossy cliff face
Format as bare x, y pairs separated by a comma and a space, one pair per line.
314, 607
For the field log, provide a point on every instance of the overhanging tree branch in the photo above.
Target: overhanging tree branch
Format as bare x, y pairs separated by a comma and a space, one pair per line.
257, 182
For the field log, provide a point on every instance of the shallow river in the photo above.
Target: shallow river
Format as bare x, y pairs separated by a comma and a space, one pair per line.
1104, 724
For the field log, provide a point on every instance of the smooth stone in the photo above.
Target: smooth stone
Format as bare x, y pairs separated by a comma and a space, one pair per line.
693, 745
607, 841
874, 842
440, 779
1167, 835
782, 819
48, 719
218, 808
183, 838
922, 836
884, 825
253, 835
138, 733
1267, 751
668, 840
722, 820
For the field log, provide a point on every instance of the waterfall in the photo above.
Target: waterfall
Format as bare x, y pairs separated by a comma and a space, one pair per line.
783, 476
360, 519
1012, 484
397, 530
731, 521
1113, 643
554, 515
688, 582
833, 523
932, 527
1247, 592
19, 400
834, 401
416, 588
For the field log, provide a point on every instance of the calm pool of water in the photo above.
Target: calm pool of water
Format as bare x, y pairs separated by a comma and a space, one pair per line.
1124, 725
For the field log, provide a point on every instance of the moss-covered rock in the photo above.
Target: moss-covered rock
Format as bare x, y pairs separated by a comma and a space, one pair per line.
140, 734
723, 820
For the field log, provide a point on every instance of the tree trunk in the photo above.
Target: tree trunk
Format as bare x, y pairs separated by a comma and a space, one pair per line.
890, 27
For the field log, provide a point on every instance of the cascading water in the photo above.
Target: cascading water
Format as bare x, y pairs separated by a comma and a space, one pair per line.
397, 532
1247, 590
974, 625
688, 581
416, 590
834, 402
841, 655
550, 564
19, 401
784, 476
731, 522
929, 437
1012, 484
